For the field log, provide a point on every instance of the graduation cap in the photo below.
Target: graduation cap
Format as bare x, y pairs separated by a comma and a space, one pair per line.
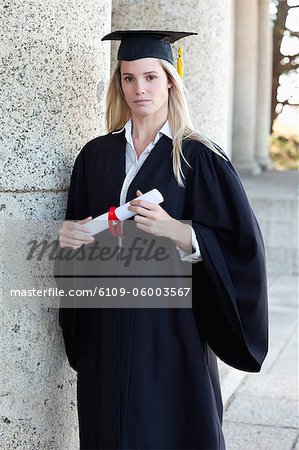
137, 44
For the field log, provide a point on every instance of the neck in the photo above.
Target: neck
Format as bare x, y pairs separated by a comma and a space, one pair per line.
145, 128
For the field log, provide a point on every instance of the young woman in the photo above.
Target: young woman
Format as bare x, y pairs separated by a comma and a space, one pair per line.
147, 377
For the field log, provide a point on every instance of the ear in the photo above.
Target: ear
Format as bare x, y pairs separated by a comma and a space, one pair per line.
169, 85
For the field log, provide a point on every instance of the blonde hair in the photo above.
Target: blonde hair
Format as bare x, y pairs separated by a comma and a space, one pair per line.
118, 113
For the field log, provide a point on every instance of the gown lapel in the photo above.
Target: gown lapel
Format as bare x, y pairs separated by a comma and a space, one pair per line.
147, 176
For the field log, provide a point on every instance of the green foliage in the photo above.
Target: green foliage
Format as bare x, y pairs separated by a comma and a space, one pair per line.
284, 151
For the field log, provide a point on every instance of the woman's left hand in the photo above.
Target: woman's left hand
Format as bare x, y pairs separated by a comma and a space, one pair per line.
151, 217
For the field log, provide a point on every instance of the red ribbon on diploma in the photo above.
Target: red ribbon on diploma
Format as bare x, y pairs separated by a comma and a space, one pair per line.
112, 217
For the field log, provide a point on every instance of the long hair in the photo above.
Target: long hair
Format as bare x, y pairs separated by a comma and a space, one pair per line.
118, 113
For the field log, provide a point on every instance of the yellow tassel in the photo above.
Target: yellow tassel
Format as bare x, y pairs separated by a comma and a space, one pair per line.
180, 62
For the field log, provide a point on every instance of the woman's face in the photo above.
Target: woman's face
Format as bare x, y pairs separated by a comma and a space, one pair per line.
145, 86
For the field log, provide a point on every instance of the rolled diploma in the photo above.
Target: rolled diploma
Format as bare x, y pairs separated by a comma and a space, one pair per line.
100, 223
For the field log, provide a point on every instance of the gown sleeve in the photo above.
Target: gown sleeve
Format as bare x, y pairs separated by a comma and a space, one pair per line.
230, 284
77, 209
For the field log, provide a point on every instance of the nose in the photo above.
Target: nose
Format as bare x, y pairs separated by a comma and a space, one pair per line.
139, 87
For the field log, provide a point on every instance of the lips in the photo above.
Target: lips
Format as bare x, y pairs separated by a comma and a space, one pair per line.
141, 101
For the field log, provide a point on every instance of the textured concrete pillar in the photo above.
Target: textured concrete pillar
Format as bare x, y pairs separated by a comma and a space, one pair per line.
53, 70
245, 85
207, 57
263, 115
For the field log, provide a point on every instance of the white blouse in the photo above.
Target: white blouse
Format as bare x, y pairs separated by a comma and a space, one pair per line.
133, 164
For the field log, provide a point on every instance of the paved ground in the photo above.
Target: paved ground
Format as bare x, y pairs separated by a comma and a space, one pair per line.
261, 410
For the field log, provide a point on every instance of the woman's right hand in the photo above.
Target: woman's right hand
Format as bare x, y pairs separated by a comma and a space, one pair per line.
74, 234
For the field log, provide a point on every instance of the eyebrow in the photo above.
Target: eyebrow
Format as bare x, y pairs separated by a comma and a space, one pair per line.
145, 73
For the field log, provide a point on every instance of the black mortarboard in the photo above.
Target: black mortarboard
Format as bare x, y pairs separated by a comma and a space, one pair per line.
136, 44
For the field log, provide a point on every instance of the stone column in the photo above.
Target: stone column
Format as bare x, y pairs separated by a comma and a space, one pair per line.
263, 115
245, 85
207, 57
53, 68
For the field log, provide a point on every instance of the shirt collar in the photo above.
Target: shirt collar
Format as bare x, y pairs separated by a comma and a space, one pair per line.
165, 129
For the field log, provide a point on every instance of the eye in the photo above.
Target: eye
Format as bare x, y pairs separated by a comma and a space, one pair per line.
128, 78
151, 77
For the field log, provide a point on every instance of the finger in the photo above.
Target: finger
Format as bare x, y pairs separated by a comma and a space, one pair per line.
80, 225
76, 235
82, 229
141, 219
66, 225
71, 226
67, 245
74, 232
73, 229
142, 211
138, 192
74, 247
144, 204
73, 242
143, 227
88, 219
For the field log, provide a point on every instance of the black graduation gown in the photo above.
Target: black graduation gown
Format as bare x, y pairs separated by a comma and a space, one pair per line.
148, 378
